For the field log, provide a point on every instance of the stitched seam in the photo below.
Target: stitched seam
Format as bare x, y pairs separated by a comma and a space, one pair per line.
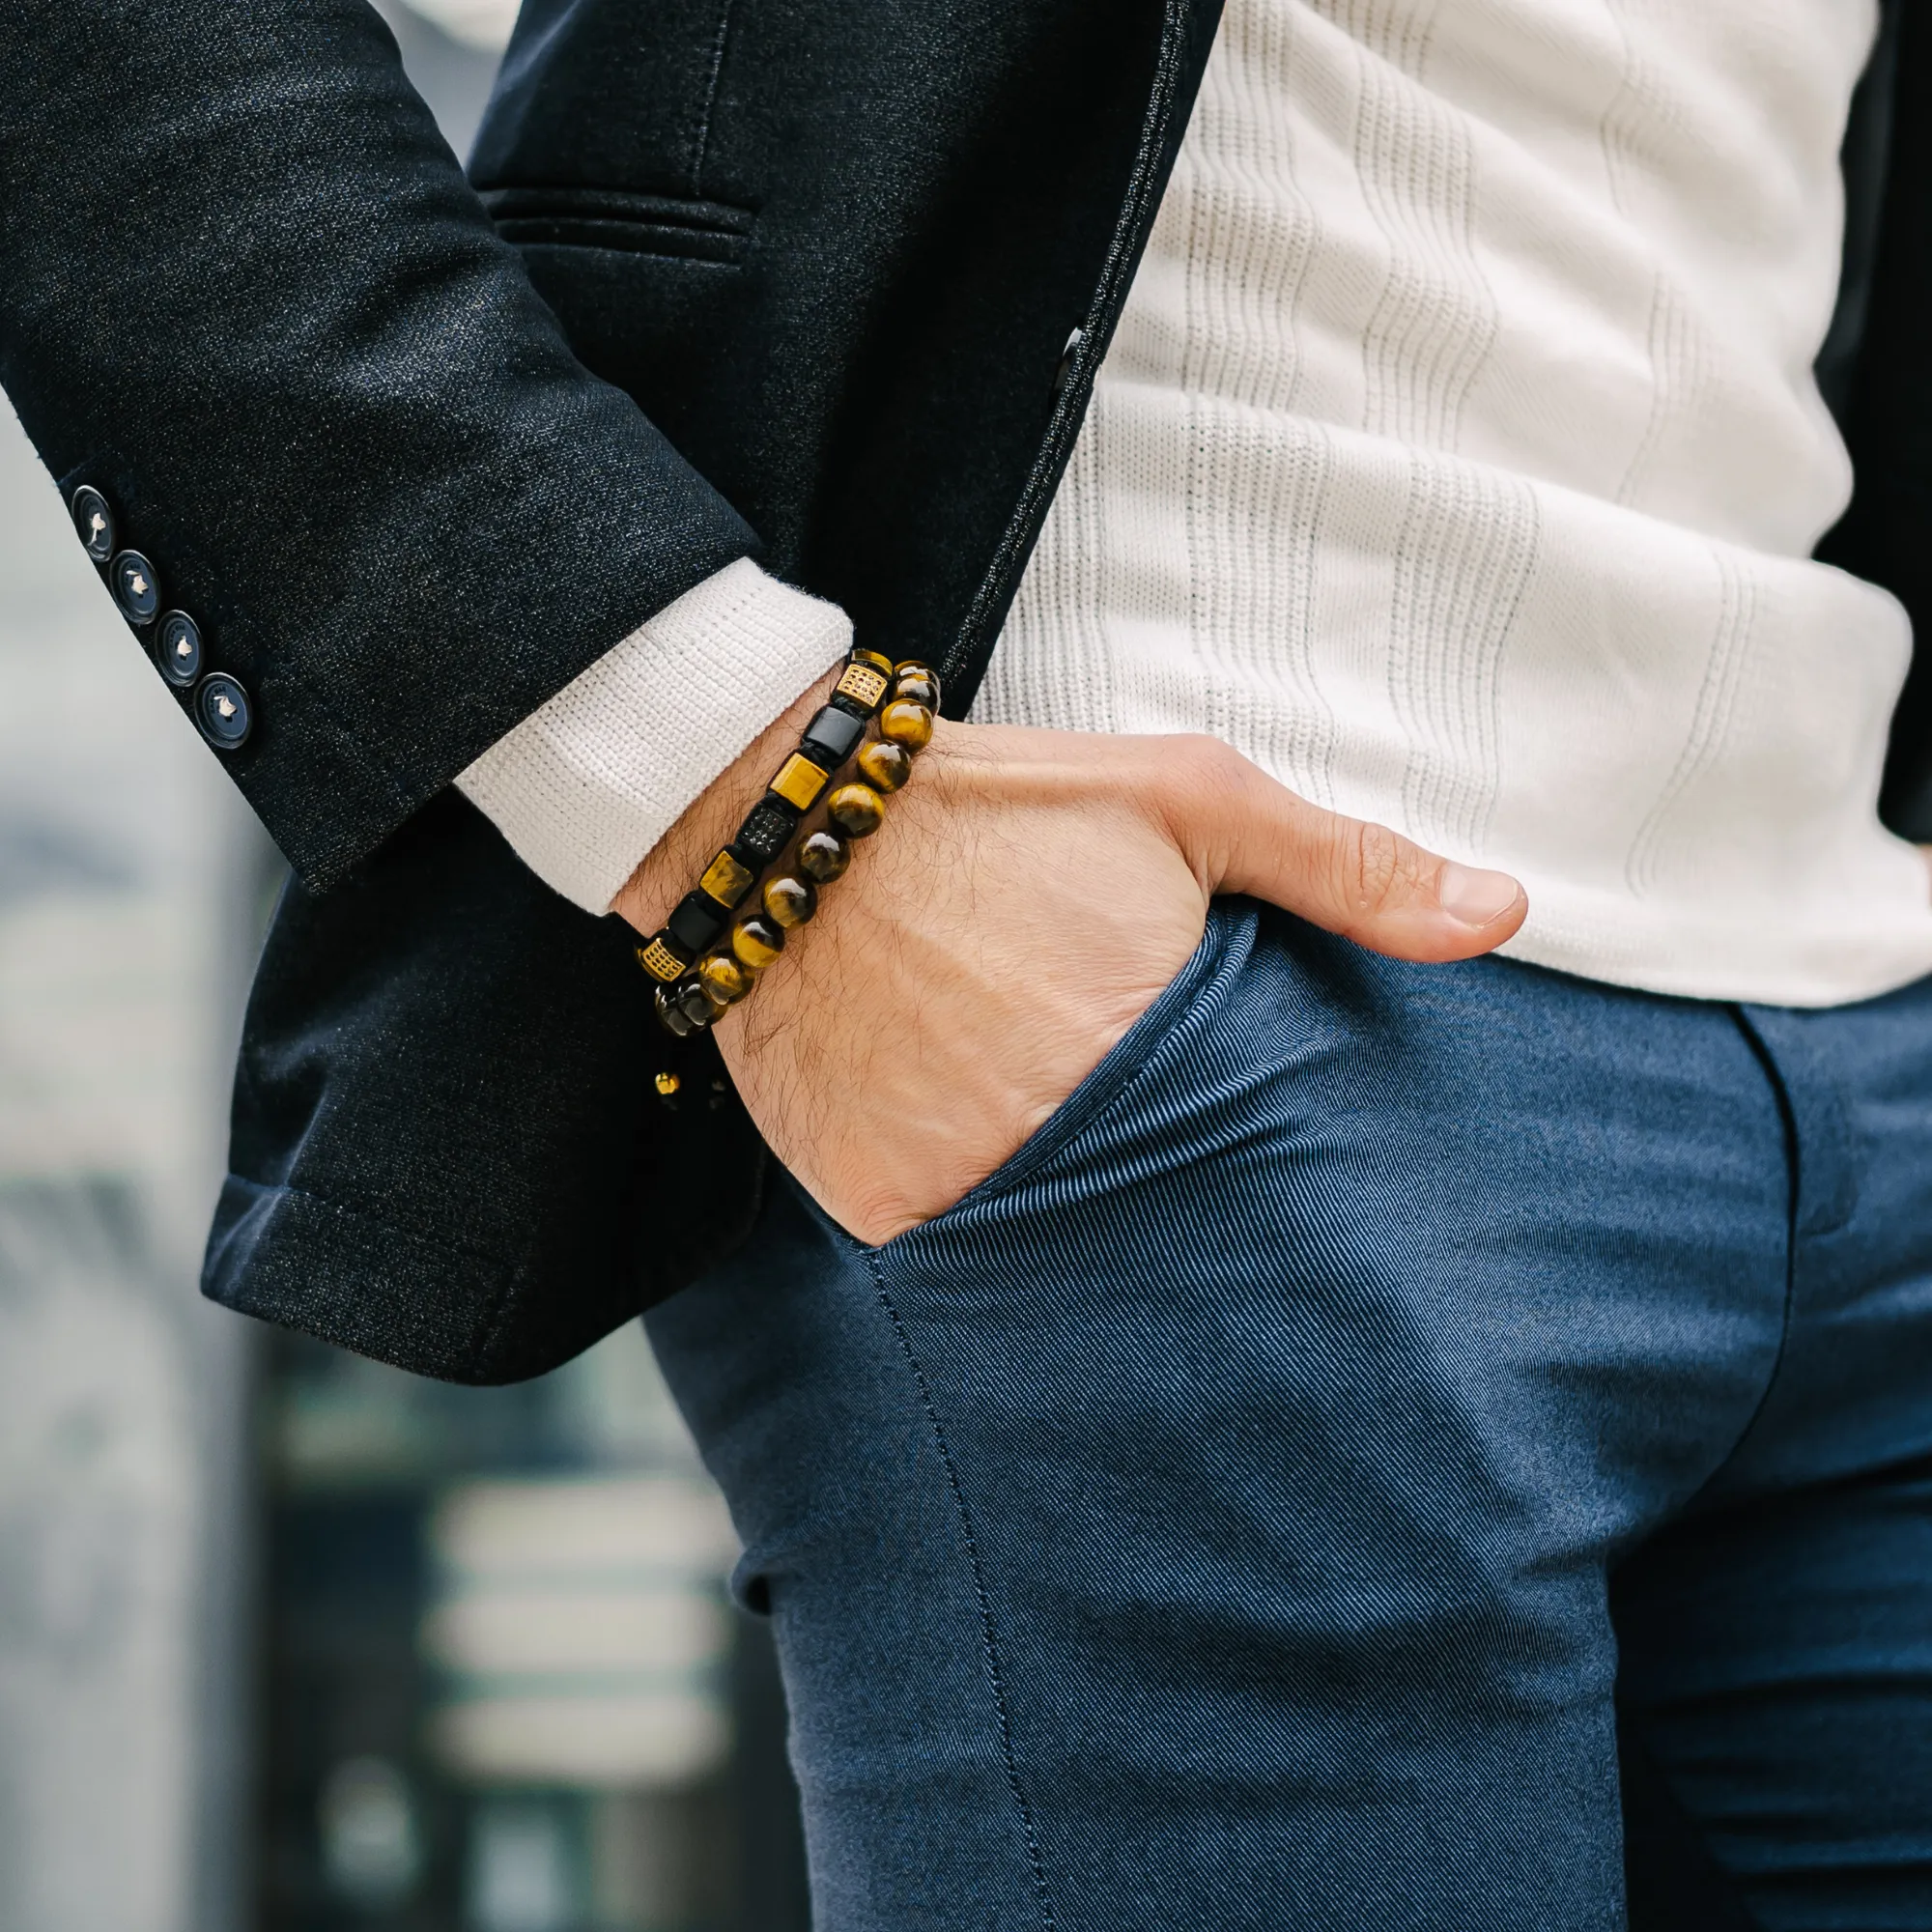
701, 145
988, 1630
1788, 1120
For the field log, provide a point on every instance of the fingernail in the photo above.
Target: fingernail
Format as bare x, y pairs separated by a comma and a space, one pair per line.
1475, 899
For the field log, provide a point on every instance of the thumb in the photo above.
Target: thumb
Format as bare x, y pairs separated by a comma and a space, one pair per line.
1247, 834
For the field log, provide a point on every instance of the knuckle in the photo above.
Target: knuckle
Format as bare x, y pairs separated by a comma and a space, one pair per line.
1375, 874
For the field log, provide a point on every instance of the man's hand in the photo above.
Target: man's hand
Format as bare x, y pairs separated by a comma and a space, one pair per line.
1028, 898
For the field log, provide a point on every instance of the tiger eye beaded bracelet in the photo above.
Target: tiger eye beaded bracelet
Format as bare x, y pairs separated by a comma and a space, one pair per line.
699, 979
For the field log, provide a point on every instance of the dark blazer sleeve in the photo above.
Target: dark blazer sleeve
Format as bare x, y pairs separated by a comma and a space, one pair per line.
246, 293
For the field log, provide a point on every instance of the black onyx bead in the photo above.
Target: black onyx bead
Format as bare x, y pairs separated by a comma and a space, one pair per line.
758, 941
791, 901
831, 737
884, 765
857, 810
919, 687
763, 835
823, 856
131, 578
698, 920
178, 649
92, 523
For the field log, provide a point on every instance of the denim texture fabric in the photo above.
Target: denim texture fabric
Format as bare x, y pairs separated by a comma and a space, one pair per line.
1260, 1502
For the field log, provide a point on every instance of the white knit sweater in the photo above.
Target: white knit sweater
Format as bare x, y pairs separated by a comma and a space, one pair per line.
1457, 459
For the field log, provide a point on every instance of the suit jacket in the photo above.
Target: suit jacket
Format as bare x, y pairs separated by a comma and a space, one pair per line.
822, 281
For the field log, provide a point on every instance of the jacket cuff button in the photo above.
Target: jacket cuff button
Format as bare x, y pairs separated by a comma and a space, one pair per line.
131, 578
92, 523
178, 649
224, 711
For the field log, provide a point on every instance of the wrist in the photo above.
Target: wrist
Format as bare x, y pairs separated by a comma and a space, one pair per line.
664, 874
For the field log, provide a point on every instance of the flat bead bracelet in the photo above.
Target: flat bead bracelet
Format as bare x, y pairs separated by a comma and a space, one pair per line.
699, 980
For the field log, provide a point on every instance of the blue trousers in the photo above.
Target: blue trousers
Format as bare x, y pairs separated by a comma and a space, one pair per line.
1402, 1447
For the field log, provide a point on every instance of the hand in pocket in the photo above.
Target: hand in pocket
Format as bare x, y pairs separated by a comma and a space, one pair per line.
1030, 897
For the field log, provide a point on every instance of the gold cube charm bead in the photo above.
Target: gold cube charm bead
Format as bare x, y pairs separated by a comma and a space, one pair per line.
800, 782
726, 880
660, 961
862, 684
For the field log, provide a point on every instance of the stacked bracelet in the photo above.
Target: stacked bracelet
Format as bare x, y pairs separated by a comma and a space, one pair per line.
697, 976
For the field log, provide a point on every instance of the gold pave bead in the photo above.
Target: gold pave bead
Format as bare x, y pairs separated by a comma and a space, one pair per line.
726, 978
823, 856
800, 782
661, 962
857, 810
790, 901
758, 941
885, 765
906, 723
726, 880
862, 684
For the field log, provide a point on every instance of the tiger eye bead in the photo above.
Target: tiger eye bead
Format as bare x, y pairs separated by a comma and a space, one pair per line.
698, 1006
790, 901
857, 810
726, 978
906, 723
916, 687
758, 941
824, 855
884, 765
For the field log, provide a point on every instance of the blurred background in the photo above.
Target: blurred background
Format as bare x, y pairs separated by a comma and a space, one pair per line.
288, 1640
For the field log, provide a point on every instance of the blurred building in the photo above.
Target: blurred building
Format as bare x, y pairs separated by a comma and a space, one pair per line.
288, 1640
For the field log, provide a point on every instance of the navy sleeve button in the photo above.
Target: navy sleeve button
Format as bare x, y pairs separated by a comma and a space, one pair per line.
178, 649
131, 578
224, 711
94, 523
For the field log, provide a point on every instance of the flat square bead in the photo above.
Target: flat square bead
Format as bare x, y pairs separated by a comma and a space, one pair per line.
864, 684
833, 736
661, 960
698, 920
726, 880
762, 836
800, 782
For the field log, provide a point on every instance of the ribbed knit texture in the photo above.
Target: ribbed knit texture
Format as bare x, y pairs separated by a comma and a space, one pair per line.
584, 788
1459, 460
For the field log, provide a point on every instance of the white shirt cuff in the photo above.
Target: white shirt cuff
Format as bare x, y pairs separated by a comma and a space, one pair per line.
584, 788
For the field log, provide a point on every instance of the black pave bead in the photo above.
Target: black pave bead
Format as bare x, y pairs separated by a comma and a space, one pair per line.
698, 920
831, 737
763, 835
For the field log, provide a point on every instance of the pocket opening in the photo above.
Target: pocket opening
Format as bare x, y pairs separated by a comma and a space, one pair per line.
627, 223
